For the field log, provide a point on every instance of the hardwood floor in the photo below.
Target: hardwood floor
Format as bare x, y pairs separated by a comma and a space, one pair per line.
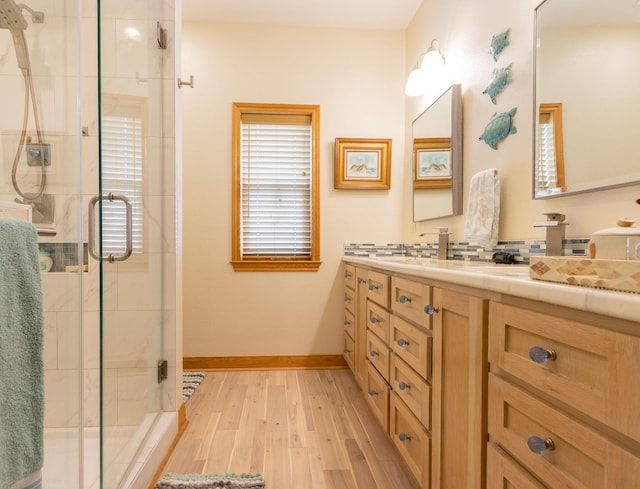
302, 429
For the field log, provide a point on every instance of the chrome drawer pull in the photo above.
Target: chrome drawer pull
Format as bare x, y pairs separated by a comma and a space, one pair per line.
346, 351
404, 299
361, 280
347, 298
541, 355
373, 287
347, 323
374, 320
372, 393
347, 275
403, 342
539, 445
373, 353
404, 437
404, 386
430, 310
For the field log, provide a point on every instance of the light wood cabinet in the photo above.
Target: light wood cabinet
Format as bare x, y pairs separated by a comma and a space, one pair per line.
459, 393
487, 389
561, 398
360, 367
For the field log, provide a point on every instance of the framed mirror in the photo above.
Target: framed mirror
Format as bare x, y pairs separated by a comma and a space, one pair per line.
586, 68
437, 158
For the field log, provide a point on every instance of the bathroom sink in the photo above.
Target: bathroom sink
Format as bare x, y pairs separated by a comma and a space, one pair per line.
482, 267
621, 275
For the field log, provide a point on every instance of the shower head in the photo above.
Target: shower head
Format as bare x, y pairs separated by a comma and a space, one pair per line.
11, 16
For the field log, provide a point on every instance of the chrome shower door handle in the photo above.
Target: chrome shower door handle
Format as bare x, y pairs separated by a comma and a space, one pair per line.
92, 228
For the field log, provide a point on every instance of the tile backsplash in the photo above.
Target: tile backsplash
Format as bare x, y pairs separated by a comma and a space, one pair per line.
522, 250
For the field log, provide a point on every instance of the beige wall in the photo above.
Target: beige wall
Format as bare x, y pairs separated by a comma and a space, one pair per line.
358, 79
464, 29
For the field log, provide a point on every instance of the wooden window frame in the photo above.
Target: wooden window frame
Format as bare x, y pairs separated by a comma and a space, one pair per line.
274, 263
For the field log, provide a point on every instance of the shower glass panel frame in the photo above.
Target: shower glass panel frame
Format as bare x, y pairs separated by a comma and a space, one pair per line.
132, 216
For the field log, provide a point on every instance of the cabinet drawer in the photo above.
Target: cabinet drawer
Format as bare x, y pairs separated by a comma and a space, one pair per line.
408, 299
378, 354
349, 323
411, 344
591, 369
577, 457
348, 350
378, 288
378, 320
349, 276
412, 389
503, 472
411, 440
350, 300
377, 395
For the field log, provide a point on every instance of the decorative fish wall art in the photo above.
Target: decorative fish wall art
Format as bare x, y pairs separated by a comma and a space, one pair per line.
499, 127
499, 80
498, 43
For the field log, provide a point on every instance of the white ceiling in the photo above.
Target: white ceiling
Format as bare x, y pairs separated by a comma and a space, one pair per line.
365, 14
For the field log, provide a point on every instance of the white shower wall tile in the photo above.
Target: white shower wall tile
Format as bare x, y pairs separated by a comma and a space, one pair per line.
136, 397
61, 292
61, 392
68, 330
133, 339
91, 397
140, 289
126, 9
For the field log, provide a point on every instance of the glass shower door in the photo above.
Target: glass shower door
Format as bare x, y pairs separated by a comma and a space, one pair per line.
130, 224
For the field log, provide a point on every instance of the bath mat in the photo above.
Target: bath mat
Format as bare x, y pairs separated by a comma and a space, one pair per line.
190, 382
210, 481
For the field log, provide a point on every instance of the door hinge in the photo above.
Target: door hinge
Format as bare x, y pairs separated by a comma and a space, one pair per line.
163, 370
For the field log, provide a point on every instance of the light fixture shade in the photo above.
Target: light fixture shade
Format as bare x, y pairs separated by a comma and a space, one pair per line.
432, 61
416, 83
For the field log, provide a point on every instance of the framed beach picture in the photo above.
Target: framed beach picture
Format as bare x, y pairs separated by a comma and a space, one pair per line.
432, 163
362, 163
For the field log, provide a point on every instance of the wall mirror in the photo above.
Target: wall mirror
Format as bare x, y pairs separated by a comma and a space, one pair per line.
437, 158
586, 63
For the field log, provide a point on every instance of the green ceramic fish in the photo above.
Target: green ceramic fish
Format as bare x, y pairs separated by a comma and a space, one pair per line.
499, 80
499, 127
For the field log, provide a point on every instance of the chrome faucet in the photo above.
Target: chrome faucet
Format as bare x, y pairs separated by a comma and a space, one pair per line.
555, 232
443, 242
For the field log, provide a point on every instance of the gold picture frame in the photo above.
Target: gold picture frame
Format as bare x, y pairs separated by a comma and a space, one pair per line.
432, 163
362, 164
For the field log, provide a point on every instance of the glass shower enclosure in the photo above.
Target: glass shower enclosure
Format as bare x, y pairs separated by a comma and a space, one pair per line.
86, 141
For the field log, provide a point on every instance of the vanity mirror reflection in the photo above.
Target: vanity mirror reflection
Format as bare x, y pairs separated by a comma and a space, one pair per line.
437, 158
586, 63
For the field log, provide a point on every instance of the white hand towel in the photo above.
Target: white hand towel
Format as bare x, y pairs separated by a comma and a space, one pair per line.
483, 210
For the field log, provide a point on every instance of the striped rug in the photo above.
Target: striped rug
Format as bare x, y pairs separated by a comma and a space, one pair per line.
210, 481
190, 382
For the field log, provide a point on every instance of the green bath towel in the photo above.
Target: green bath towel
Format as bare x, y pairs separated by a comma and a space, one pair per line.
21, 362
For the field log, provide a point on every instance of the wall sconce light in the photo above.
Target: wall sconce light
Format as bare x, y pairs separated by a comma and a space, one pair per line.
430, 65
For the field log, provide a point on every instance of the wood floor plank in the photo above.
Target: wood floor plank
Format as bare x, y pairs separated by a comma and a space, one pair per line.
302, 429
332, 449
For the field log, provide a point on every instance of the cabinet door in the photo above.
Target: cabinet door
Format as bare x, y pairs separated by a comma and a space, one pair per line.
503, 472
361, 328
459, 390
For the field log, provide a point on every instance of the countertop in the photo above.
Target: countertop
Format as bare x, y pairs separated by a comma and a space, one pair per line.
512, 280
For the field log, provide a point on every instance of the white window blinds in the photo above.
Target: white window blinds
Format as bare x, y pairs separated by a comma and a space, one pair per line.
122, 161
547, 174
276, 200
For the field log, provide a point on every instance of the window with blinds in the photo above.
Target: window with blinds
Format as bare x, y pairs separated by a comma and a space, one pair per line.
122, 164
550, 161
276, 188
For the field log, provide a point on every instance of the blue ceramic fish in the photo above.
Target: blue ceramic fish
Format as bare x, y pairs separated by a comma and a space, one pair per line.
499, 127
498, 43
499, 80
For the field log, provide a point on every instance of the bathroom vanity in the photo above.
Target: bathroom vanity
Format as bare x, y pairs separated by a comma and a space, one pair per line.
483, 377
